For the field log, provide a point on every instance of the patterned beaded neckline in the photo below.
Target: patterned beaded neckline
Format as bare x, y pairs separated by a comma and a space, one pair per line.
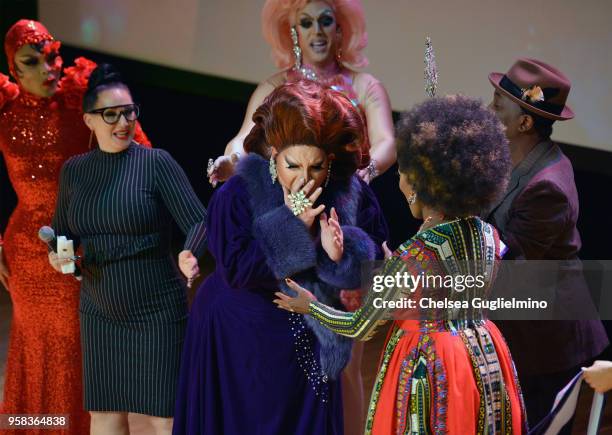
448, 223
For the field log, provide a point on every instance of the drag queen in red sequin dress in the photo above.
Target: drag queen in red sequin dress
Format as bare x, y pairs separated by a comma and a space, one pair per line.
41, 126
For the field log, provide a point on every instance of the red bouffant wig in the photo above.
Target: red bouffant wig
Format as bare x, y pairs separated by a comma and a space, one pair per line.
305, 113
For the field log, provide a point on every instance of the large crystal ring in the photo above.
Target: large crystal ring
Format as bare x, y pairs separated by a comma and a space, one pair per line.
210, 166
299, 202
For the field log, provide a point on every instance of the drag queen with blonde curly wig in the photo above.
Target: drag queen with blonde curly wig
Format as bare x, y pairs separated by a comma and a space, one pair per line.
321, 40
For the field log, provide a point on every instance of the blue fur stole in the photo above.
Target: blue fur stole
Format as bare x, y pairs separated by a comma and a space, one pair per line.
291, 251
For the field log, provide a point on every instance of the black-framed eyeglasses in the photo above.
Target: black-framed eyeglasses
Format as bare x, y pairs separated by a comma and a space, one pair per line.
111, 115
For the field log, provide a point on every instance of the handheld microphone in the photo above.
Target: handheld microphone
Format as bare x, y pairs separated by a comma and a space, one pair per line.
47, 235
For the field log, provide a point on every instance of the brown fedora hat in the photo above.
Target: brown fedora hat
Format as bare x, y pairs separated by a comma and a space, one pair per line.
536, 86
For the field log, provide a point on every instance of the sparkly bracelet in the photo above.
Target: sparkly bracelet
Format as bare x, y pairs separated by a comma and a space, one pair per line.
372, 169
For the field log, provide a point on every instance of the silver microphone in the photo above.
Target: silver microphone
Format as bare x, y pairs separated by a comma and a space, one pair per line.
47, 235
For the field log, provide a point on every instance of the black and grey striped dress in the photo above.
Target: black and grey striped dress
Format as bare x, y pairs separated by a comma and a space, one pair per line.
133, 309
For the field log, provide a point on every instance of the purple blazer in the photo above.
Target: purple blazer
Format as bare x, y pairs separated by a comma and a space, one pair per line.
537, 218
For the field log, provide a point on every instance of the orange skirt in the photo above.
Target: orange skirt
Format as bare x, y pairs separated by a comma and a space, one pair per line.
441, 379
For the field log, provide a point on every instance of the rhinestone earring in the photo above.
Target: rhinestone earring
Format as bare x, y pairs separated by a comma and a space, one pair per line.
339, 46
272, 168
297, 51
329, 166
412, 198
306, 72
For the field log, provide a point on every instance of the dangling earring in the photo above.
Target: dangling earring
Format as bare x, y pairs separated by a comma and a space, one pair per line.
329, 166
339, 47
306, 72
412, 198
297, 51
272, 168
90, 138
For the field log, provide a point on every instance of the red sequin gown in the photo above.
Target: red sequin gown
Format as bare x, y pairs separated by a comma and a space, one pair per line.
37, 135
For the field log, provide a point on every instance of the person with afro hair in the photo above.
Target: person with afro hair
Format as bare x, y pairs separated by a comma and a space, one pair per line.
442, 371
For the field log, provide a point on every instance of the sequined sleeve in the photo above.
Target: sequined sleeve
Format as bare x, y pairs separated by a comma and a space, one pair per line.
140, 137
73, 84
8, 92
362, 323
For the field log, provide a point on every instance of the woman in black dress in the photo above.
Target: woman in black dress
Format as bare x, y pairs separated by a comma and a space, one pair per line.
118, 202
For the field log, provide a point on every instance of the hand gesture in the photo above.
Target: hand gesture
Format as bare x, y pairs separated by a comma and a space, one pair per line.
56, 262
388, 253
332, 238
188, 265
4, 272
220, 170
308, 214
599, 376
298, 304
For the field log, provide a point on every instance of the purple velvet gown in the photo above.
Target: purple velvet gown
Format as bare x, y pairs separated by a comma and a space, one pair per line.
247, 366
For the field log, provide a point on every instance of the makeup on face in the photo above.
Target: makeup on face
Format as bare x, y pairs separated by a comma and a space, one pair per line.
113, 119
302, 161
326, 19
112, 115
317, 28
38, 68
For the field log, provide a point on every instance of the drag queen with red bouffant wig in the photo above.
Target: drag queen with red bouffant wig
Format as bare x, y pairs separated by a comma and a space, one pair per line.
41, 126
321, 40
248, 368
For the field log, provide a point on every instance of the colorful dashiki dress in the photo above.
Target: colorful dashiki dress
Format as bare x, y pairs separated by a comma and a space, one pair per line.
438, 376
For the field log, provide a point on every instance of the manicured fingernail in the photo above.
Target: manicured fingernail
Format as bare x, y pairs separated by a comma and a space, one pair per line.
287, 280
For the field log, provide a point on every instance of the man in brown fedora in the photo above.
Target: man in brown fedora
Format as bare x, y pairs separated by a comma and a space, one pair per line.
537, 220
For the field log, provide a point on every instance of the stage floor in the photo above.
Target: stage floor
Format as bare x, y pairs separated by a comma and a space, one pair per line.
372, 352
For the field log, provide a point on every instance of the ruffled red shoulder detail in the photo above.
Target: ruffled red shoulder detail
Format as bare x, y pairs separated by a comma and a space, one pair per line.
74, 82
8, 90
140, 137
